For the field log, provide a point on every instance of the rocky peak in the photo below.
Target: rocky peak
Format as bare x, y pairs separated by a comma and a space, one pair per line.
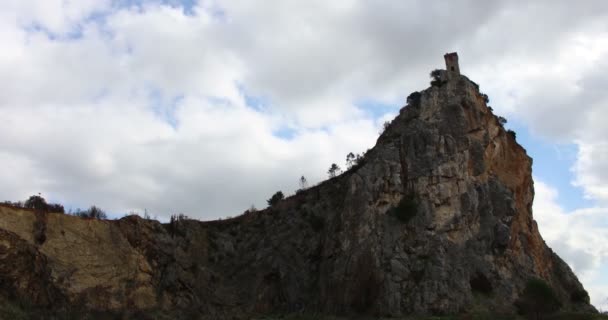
434, 218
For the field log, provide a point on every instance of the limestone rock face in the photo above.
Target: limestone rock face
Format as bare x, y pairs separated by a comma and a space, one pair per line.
338, 247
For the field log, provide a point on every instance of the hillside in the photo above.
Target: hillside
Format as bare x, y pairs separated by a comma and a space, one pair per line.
436, 219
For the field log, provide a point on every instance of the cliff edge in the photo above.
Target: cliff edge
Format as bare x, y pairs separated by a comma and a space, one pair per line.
435, 219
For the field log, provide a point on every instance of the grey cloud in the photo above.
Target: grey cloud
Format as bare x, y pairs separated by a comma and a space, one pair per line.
580, 260
313, 61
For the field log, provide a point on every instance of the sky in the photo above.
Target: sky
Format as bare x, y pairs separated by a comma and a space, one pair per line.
208, 107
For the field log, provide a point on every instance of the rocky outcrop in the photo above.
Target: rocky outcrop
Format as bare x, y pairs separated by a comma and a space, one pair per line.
434, 218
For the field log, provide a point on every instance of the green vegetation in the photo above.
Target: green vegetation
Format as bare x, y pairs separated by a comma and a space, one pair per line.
502, 120
385, 126
436, 78
485, 98
413, 98
93, 212
175, 224
579, 296
470, 315
538, 300
37, 202
276, 198
20, 311
334, 170
303, 183
406, 209
23, 311
511, 134
354, 160
350, 160
13, 311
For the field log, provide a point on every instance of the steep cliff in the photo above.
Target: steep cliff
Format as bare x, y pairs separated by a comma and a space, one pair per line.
436, 218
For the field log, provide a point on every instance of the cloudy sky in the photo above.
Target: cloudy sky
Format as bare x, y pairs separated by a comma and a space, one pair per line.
207, 108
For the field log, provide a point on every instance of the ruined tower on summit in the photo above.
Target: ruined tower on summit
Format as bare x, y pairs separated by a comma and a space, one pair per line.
451, 63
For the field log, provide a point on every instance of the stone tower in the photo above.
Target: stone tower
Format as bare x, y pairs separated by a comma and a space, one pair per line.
451, 63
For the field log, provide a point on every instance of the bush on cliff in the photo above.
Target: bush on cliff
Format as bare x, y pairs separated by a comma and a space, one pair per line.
436, 76
485, 98
93, 212
414, 98
406, 208
579, 296
37, 202
334, 171
537, 300
278, 196
512, 134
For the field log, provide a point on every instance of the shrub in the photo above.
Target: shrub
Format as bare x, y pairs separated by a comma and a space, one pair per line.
175, 222
538, 299
511, 134
37, 202
579, 296
406, 209
413, 98
502, 120
359, 159
334, 170
385, 126
485, 98
55, 207
96, 213
436, 76
278, 196
350, 160
354, 160
303, 183
93, 212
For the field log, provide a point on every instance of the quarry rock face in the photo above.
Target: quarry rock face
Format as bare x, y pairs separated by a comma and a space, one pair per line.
436, 218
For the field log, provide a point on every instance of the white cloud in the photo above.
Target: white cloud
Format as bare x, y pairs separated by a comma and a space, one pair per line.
560, 95
578, 237
592, 168
218, 161
55, 16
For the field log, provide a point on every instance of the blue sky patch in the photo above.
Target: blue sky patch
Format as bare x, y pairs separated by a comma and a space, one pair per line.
285, 133
164, 107
257, 103
186, 5
376, 109
551, 163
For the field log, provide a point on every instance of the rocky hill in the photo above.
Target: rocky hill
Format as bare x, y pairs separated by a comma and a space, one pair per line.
435, 219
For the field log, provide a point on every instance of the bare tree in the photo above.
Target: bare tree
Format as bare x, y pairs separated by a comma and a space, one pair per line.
303, 183
278, 196
350, 160
334, 170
